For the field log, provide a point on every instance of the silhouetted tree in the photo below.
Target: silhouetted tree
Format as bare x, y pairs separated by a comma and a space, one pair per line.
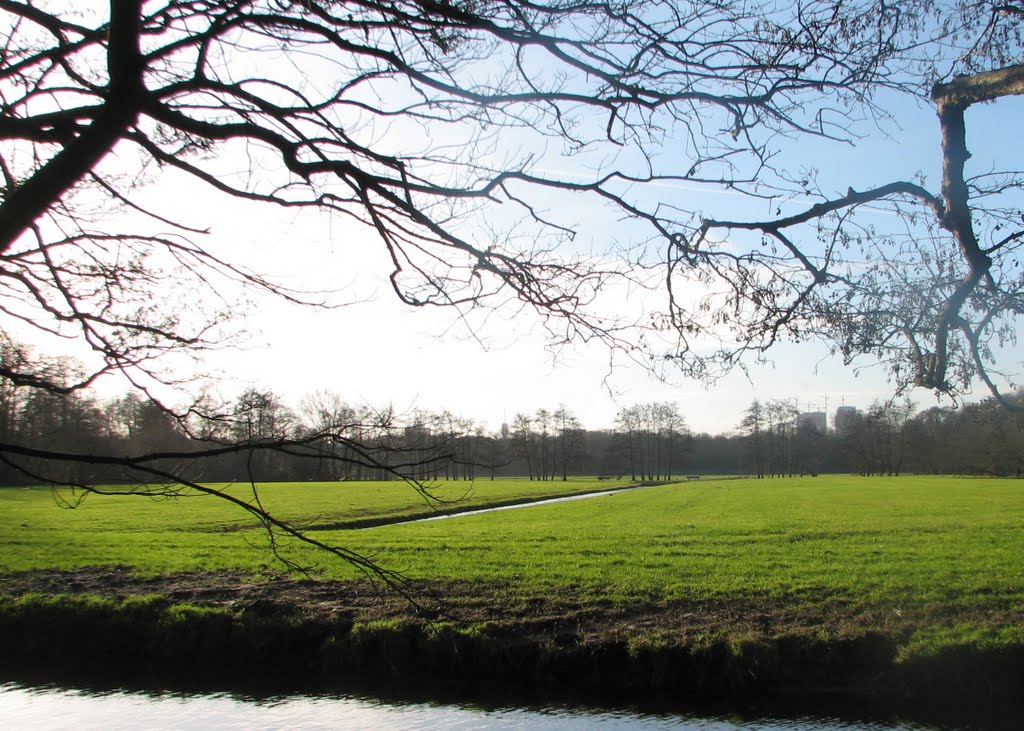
933, 291
755, 444
392, 114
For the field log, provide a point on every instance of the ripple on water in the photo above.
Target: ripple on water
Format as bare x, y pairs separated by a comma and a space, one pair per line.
84, 710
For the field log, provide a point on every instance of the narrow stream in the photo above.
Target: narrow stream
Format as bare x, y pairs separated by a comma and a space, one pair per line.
563, 499
547, 501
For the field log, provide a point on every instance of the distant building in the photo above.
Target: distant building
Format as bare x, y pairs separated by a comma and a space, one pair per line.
417, 434
816, 420
844, 418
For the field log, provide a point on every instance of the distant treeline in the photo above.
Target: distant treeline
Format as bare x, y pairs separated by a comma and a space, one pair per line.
50, 435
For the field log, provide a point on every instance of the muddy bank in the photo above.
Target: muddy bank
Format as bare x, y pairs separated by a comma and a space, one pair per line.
222, 631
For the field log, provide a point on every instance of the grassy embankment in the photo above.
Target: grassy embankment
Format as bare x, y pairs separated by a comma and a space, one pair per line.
868, 581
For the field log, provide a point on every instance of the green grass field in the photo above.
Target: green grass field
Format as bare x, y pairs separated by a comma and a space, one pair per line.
914, 549
906, 540
196, 531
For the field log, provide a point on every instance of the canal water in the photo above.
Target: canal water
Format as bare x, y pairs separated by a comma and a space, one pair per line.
54, 707
532, 503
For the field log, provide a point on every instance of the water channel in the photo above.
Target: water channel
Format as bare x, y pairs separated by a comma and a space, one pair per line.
57, 708
531, 503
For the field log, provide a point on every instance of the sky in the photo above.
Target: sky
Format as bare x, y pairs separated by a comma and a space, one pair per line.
376, 351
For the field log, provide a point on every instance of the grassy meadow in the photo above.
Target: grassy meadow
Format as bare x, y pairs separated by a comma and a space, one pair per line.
932, 565
194, 531
906, 542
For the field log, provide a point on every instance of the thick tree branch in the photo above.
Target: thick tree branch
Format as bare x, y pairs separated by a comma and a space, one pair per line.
986, 86
37, 195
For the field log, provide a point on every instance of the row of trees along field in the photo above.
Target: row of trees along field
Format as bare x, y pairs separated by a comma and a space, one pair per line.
329, 439
888, 438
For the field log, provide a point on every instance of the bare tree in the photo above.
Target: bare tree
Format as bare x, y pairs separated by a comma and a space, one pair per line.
781, 422
752, 428
570, 438
628, 432
430, 124
653, 436
525, 440
337, 106
324, 412
933, 291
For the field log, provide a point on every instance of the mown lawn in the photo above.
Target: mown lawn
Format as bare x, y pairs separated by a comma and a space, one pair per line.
194, 531
898, 544
904, 542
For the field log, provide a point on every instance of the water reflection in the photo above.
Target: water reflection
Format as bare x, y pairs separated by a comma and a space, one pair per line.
83, 710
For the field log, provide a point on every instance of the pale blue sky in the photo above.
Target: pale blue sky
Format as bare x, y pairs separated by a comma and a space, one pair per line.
377, 351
